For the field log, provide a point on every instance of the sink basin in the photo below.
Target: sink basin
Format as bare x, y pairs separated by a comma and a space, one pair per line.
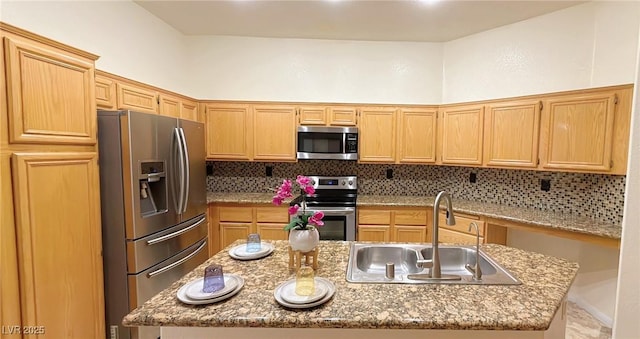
373, 259
367, 264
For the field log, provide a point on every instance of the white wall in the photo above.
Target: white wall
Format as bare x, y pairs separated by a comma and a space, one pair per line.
584, 46
130, 41
626, 324
315, 70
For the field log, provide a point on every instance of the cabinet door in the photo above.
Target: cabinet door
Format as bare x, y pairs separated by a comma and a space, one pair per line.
169, 106
313, 115
342, 116
374, 233
274, 133
374, 216
462, 135
230, 232
452, 237
59, 242
417, 136
377, 135
189, 110
407, 233
136, 98
578, 132
511, 134
229, 132
269, 231
105, 93
50, 95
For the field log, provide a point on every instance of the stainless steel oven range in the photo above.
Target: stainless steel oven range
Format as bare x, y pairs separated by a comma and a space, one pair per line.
336, 198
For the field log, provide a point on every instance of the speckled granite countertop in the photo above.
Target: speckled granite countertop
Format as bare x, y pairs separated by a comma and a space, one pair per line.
533, 217
530, 306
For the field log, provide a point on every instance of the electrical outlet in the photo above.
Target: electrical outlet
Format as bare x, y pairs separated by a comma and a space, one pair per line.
545, 185
472, 178
389, 173
269, 171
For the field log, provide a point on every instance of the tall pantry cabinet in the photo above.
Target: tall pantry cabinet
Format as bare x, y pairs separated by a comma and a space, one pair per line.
50, 239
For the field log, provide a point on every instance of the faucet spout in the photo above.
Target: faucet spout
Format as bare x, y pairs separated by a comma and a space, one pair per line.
475, 270
451, 220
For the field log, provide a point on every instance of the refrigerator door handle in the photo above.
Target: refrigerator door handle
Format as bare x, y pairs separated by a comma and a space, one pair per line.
177, 263
175, 234
180, 160
187, 179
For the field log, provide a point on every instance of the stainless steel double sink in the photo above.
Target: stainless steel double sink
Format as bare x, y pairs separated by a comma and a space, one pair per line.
368, 264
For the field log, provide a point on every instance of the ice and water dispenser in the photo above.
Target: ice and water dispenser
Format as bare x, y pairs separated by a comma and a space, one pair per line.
153, 188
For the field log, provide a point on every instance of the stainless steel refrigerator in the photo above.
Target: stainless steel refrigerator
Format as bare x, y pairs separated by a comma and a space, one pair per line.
153, 198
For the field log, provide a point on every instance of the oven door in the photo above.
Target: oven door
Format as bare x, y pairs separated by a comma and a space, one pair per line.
339, 222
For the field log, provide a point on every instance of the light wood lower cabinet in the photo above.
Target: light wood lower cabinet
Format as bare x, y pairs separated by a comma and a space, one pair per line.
460, 233
230, 222
398, 224
59, 242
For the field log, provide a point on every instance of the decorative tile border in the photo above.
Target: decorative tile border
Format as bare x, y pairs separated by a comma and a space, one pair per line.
596, 196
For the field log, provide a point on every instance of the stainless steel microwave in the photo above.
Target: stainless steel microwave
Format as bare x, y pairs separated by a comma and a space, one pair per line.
319, 142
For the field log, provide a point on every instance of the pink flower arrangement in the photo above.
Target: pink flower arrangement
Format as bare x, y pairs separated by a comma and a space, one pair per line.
302, 221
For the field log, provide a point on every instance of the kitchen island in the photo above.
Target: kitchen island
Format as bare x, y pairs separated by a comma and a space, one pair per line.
534, 309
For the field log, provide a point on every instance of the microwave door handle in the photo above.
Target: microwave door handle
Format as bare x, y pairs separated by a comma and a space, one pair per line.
344, 143
187, 178
177, 263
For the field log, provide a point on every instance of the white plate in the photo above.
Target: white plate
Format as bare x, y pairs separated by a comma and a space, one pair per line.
239, 252
182, 295
331, 289
288, 293
194, 288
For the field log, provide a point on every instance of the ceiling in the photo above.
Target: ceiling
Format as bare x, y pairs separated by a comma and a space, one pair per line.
400, 20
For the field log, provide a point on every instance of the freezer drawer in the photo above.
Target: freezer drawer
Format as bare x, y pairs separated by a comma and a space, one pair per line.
146, 284
148, 251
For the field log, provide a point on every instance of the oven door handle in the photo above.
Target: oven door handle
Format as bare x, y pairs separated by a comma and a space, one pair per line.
331, 213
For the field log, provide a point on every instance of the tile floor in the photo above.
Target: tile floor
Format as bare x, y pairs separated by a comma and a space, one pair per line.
582, 325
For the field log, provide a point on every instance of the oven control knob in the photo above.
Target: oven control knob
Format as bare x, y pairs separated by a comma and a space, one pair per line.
344, 183
313, 182
350, 182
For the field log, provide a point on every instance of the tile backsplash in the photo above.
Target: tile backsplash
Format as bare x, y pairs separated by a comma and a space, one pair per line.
597, 196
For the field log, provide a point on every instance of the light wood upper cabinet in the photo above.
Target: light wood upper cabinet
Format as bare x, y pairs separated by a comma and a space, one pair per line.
578, 131
105, 93
169, 106
274, 132
416, 136
342, 115
312, 115
462, 135
377, 134
136, 98
59, 242
511, 134
50, 94
189, 110
319, 115
229, 131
